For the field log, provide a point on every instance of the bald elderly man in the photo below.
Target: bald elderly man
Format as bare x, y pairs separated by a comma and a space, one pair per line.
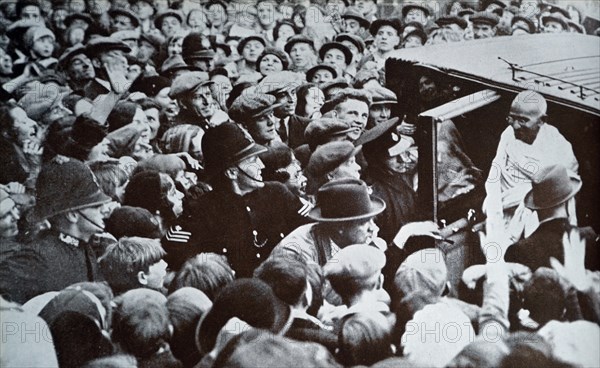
527, 146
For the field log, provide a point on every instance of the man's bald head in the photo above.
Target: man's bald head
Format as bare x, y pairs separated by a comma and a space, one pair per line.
527, 115
531, 102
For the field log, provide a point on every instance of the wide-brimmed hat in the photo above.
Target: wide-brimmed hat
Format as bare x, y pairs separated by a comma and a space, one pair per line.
345, 200
339, 46
552, 187
226, 145
250, 300
63, 187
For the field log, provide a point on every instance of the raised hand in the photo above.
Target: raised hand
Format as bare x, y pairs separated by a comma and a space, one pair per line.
574, 267
425, 228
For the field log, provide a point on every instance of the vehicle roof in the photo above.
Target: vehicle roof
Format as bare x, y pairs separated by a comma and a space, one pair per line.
565, 68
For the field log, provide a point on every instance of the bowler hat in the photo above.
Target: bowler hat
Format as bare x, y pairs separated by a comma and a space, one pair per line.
252, 301
553, 186
226, 145
63, 187
329, 156
339, 46
345, 200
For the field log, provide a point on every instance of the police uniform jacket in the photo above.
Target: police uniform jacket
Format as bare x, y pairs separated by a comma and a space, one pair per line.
51, 262
243, 228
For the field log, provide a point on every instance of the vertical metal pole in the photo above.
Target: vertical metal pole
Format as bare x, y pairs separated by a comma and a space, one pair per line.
427, 167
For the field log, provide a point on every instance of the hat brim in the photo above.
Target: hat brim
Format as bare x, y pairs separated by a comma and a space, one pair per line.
43, 211
376, 132
384, 22
377, 206
311, 72
532, 205
338, 46
268, 109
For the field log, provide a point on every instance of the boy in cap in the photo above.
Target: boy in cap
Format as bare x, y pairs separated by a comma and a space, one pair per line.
244, 217
71, 201
355, 274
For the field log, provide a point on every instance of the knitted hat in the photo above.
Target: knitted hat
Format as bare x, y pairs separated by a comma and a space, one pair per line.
132, 221
144, 191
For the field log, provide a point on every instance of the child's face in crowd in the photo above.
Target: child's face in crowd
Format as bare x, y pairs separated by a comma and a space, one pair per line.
43, 47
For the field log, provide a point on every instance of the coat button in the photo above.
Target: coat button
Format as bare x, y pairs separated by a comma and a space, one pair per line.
257, 255
224, 250
248, 209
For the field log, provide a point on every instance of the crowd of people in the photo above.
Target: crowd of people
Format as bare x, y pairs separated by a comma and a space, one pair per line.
230, 184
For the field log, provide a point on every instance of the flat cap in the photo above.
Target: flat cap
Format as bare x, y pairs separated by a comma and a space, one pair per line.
247, 107
320, 131
297, 39
280, 81
81, 16
329, 156
167, 13
416, 5
451, 19
99, 45
353, 13
382, 95
392, 22
155, 39
135, 21
423, 270
188, 82
358, 261
485, 17
130, 34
